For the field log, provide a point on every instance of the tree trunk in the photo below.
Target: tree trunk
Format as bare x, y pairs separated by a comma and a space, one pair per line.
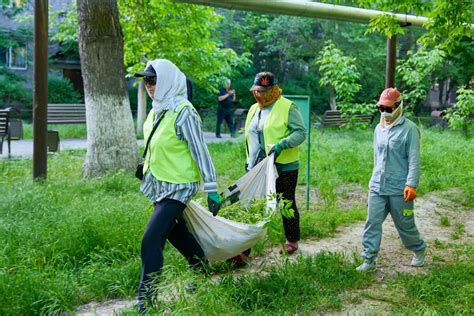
332, 98
141, 107
440, 94
111, 142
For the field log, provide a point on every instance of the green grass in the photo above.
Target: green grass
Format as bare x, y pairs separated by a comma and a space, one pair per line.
445, 290
68, 241
65, 130
444, 221
309, 284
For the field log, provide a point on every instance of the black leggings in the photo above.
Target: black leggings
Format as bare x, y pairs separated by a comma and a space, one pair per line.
286, 185
166, 223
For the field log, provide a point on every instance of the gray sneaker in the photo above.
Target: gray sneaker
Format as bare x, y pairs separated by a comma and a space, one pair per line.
367, 266
418, 259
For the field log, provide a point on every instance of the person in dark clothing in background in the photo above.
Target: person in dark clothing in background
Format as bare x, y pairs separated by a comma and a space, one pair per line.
189, 88
224, 110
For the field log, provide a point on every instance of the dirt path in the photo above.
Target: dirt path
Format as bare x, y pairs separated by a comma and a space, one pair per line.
393, 257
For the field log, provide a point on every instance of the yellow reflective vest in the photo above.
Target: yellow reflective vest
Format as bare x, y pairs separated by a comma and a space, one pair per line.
168, 157
275, 129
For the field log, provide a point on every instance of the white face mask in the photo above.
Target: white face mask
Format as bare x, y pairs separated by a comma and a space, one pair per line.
387, 116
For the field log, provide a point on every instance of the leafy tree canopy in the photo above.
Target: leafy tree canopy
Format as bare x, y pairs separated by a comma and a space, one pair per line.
184, 34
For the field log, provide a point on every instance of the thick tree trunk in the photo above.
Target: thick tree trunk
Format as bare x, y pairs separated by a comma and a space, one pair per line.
111, 142
141, 107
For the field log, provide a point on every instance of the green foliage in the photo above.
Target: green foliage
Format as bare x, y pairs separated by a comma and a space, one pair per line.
415, 72
339, 72
450, 22
66, 31
69, 241
444, 221
386, 24
61, 90
12, 88
181, 33
70, 253
446, 290
256, 211
65, 130
307, 285
458, 116
419, 7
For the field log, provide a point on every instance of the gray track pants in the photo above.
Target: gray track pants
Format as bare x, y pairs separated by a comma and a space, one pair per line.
403, 218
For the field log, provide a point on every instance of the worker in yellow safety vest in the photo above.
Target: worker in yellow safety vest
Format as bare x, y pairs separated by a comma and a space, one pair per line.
274, 125
176, 161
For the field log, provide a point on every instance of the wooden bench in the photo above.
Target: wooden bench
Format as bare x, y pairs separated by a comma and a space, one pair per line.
4, 128
240, 116
66, 113
63, 114
438, 119
336, 119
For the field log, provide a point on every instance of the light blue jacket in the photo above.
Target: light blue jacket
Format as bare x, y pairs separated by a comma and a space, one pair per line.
396, 158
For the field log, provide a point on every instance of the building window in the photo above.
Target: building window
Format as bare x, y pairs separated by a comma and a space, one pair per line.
17, 58
3, 57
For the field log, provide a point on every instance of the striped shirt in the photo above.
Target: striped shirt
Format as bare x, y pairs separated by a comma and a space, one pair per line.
188, 128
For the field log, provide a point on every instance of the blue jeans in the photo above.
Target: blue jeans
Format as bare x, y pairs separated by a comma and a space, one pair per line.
403, 218
228, 116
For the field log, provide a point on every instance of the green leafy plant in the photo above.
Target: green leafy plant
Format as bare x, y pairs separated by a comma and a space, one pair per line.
444, 221
12, 89
256, 211
66, 31
449, 23
181, 33
415, 72
459, 115
386, 24
339, 73
61, 90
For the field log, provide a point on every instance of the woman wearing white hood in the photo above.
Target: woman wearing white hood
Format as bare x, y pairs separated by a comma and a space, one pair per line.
394, 181
176, 160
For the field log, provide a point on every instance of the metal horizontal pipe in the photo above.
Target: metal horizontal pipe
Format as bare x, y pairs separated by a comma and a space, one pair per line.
310, 9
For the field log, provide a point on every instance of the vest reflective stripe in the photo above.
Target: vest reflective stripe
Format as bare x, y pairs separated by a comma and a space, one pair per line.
275, 129
169, 157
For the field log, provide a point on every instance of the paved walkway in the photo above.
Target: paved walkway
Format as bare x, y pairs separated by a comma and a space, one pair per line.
24, 148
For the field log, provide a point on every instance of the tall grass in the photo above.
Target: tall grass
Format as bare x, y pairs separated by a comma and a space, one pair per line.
67, 241
309, 284
446, 290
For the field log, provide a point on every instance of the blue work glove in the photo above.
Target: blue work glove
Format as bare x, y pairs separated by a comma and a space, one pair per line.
214, 203
276, 150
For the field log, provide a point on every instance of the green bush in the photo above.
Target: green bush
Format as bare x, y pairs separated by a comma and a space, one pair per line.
61, 90
12, 88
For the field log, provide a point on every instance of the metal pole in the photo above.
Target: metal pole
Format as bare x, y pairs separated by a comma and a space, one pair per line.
40, 98
311, 9
391, 62
308, 162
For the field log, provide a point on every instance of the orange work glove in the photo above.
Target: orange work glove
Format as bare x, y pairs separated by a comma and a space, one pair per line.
409, 194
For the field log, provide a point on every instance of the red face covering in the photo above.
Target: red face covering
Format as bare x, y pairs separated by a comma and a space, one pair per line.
265, 98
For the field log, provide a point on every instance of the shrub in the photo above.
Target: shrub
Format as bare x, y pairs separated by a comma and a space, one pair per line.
458, 116
12, 88
61, 90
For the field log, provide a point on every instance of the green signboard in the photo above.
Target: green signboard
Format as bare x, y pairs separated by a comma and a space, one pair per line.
302, 101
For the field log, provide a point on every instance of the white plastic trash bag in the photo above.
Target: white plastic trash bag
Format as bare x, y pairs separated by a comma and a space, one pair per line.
220, 238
